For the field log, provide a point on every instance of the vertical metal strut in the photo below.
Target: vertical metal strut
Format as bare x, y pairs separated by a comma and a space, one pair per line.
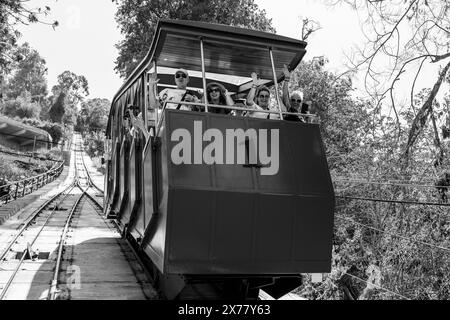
275, 83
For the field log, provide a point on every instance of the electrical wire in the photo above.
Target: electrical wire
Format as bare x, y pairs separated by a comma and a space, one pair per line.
396, 235
389, 180
377, 286
389, 183
417, 203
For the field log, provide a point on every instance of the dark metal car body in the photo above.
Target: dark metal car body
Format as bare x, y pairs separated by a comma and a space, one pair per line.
219, 223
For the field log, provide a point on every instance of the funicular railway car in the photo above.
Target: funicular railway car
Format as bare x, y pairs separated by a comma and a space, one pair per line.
218, 229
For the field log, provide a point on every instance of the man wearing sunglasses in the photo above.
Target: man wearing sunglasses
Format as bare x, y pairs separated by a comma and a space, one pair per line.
181, 93
259, 99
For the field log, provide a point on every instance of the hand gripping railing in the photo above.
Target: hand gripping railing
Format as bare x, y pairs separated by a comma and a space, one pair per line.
18, 189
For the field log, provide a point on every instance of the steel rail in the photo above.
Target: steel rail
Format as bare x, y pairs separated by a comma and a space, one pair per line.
27, 223
67, 191
53, 288
89, 175
79, 166
10, 280
54, 285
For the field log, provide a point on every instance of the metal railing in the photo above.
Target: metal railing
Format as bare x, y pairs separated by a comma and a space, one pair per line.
18, 189
27, 154
159, 120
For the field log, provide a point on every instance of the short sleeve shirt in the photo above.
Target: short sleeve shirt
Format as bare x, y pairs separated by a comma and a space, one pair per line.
263, 115
173, 95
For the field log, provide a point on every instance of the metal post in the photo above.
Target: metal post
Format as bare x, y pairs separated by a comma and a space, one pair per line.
205, 94
156, 96
275, 83
146, 100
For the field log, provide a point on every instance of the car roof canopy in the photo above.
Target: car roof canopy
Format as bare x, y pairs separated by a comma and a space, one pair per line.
231, 54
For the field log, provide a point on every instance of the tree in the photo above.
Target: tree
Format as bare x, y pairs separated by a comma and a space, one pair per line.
93, 115
74, 86
405, 36
22, 107
138, 19
13, 13
29, 75
70, 91
58, 108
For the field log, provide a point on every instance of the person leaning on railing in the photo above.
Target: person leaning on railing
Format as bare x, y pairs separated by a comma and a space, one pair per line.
259, 98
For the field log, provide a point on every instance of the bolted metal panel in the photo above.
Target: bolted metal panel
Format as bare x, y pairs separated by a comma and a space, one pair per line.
280, 224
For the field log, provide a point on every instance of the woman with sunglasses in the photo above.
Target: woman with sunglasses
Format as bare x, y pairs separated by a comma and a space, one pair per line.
294, 101
259, 99
217, 94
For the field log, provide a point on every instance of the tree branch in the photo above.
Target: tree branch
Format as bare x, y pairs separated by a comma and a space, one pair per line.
422, 115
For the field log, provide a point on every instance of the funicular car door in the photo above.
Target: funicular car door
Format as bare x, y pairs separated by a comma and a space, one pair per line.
134, 158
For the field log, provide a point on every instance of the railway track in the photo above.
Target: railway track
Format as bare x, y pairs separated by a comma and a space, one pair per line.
68, 250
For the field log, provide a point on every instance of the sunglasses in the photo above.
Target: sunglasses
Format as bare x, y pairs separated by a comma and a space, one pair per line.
180, 75
296, 100
264, 96
214, 90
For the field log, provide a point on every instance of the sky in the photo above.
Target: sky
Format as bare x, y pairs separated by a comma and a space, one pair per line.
84, 42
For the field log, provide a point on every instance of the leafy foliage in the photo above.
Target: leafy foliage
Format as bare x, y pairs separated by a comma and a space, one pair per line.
70, 91
93, 116
403, 36
57, 110
29, 75
94, 144
14, 168
21, 107
138, 19
381, 250
13, 13
75, 86
345, 121
56, 130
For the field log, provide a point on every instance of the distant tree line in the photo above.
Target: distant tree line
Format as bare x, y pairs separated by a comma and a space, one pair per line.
25, 97
24, 93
